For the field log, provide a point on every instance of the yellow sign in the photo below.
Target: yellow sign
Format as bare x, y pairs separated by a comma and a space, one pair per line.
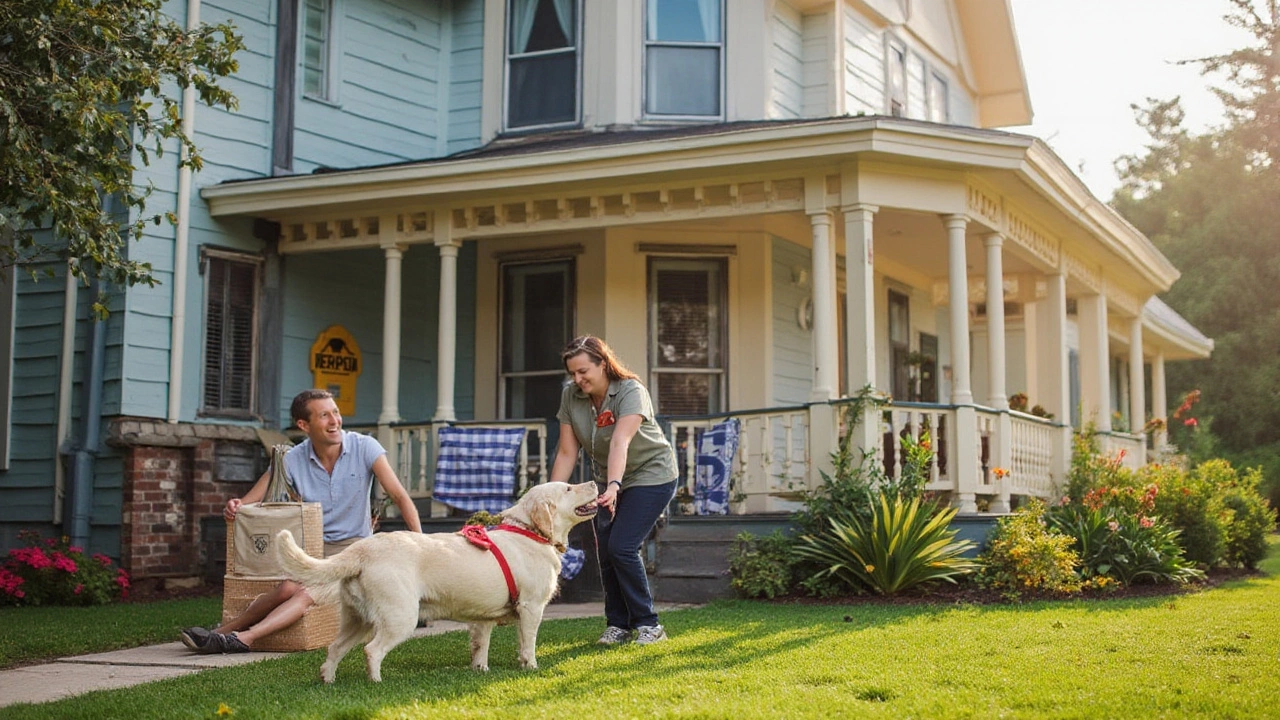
336, 364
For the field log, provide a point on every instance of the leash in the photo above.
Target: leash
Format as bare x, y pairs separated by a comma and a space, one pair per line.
478, 536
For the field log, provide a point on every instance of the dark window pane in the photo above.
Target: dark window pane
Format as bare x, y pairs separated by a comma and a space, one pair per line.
688, 319
543, 90
680, 394
682, 81
535, 317
533, 397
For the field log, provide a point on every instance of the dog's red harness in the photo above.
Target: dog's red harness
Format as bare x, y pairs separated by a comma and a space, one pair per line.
476, 535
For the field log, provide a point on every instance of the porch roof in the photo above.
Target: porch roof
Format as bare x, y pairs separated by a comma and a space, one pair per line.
1175, 335
514, 167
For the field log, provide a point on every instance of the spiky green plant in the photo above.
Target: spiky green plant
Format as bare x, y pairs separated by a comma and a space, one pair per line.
905, 543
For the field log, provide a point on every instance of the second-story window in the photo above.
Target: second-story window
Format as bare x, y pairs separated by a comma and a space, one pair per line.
684, 56
317, 44
939, 111
542, 63
897, 80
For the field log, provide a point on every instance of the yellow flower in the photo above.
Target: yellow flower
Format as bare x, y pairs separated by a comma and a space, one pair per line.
223, 709
871, 568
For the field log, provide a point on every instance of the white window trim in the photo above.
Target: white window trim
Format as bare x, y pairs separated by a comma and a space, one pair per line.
506, 72
892, 46
645, 43
332, 59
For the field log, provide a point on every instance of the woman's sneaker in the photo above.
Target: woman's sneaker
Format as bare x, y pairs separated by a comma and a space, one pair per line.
614, 635
649, 634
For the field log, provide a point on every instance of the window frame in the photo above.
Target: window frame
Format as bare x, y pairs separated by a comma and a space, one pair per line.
653, 265
329, 52
507, 56
646, 43
936, 80
899, 373
571, 306
895, 57
209, 255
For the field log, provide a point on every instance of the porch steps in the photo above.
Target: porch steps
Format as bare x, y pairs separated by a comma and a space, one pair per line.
691, 557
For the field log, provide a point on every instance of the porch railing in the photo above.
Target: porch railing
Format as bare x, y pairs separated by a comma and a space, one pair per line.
772, 459
918, 421
415, 445
1132, 449
1031, 465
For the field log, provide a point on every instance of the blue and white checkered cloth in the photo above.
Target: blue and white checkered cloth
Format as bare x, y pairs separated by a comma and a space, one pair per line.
716, 449
476, 468
572, 562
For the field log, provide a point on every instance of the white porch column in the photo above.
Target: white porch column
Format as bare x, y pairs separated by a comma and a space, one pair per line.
1159, 401
860, 317
447, 352
1095, 370
391, 303
997, 396
965, 460
826, 333
1137, 388
1054, 371
958, 277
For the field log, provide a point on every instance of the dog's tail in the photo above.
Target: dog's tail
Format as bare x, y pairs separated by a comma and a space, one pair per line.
322, 578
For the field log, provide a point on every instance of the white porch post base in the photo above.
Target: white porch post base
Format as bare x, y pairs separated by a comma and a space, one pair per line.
824, 431
964, 459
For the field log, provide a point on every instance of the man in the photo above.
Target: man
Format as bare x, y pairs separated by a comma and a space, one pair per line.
335, 468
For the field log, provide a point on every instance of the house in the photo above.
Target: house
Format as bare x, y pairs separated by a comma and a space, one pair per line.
763, 205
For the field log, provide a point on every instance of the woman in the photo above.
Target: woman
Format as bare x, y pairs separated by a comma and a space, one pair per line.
609, 413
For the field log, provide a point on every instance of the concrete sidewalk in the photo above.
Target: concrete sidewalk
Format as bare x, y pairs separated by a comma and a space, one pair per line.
124, 668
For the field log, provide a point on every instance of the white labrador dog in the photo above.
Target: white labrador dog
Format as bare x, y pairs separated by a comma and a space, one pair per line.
387, 582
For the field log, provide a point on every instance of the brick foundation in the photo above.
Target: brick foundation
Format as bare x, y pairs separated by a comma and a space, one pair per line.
174, 485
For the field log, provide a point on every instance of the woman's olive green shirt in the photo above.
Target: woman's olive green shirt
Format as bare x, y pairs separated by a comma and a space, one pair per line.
650, 459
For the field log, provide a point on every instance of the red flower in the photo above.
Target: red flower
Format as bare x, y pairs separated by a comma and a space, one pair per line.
605, 419
1190, 422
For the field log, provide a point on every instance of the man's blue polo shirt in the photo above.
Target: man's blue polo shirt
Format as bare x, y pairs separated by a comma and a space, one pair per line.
344, 495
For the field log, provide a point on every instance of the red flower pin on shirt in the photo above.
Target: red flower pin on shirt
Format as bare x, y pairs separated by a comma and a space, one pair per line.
605, 419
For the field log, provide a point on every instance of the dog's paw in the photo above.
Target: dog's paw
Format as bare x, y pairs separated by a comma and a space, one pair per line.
530, 665
482, 667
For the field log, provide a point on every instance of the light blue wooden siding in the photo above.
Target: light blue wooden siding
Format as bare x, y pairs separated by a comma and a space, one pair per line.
864, 75
792, 345
387, 64
346, 288
465, 75
815, 33
787, 99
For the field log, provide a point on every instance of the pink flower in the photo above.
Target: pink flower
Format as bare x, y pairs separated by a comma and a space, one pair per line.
1190, 422
102, 559
64, 563
1113, 525
74, 549
1146, 522
79, 589
33, 557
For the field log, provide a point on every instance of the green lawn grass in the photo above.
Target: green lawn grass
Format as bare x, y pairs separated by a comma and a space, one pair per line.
34, 634
1209, 654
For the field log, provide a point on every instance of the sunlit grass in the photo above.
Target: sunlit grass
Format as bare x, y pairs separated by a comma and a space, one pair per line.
1209, 654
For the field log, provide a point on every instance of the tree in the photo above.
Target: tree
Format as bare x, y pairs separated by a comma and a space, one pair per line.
1209, 202
85, 92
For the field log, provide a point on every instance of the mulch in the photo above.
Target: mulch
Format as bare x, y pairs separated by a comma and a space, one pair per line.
969, 593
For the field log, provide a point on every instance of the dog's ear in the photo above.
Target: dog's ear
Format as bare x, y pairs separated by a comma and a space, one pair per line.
542, 516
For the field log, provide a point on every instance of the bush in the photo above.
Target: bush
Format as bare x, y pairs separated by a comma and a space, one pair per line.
52, 572
1090, 470
1024, 555
1250, 517
1124, 544
1193, 507
761, 566
905, 543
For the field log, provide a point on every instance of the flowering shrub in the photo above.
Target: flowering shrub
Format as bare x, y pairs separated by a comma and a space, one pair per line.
1193, 507
1024, 555
53, 572
1118, 535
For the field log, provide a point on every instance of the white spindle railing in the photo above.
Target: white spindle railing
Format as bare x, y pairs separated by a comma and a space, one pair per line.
1031, 469
417, 444
772, 458
1131, 448
916, 420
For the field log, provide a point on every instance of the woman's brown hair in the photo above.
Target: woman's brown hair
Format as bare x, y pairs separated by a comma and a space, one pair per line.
600, 353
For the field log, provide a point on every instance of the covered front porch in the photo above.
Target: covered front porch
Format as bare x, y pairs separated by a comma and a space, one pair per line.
993, 274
